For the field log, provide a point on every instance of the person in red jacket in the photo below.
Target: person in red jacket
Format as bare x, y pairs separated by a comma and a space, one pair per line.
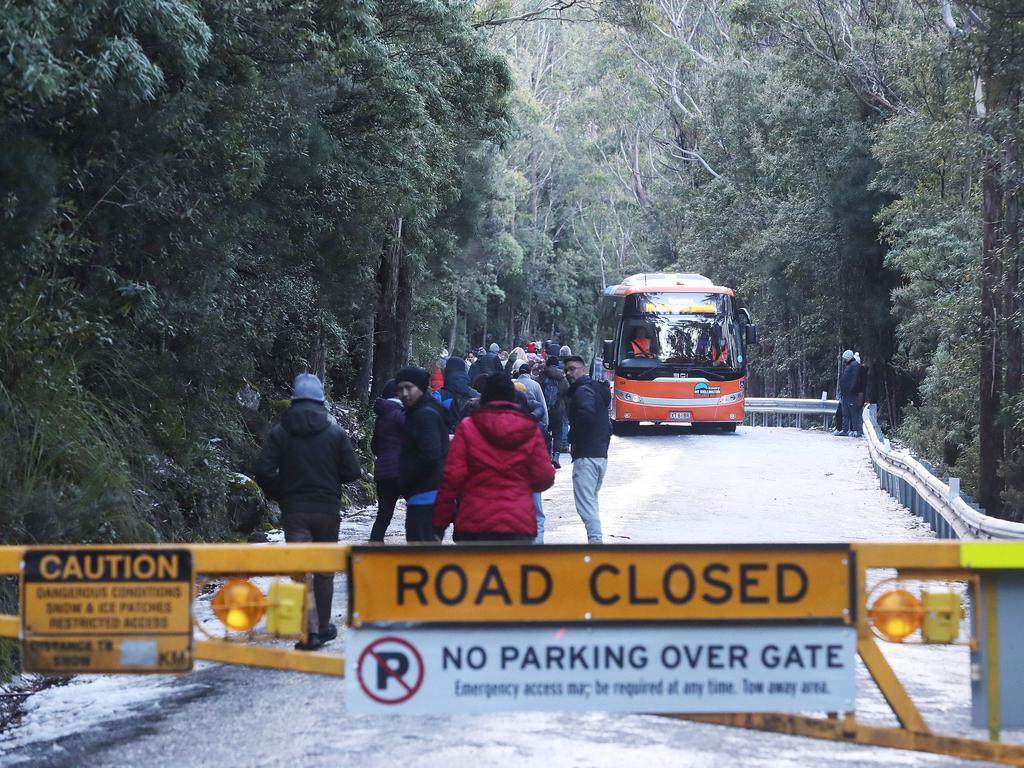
496, 462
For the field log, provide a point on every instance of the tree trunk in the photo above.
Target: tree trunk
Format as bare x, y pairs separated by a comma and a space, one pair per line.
364, 363
318, 356
990, 433
452, 337
1014, 437
388, 336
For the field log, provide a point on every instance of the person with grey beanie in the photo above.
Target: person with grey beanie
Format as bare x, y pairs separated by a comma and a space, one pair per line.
306, 459
488, 363
848, 381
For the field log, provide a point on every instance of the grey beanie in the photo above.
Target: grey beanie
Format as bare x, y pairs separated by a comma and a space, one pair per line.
307, 387
848, 355
564, 351
494, 348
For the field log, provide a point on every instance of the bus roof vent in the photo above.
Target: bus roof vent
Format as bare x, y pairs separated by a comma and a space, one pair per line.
666, 278
691, 278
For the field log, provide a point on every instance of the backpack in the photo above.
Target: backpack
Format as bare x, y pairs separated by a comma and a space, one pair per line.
455, 406
551, 394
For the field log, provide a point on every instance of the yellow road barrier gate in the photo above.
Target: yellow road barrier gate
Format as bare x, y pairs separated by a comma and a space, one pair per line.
754, 636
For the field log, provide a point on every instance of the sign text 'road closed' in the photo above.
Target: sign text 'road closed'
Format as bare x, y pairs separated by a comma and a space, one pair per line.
487, 584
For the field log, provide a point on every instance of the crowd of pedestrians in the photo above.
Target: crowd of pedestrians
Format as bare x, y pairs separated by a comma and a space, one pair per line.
470, 445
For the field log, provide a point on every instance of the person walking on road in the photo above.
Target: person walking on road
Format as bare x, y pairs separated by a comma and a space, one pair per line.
386, 445
304, 463
589, 435
422, 455
498, 460
848, 394
488, 363
555, 388
456, 393
539, 411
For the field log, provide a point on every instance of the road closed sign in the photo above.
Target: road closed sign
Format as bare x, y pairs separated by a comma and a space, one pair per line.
797, 668
540, 584
106, 610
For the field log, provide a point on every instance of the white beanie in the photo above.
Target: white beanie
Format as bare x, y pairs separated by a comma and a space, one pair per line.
856, 356
848, 355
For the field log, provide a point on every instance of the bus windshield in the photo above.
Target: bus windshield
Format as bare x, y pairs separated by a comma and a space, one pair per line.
686, 329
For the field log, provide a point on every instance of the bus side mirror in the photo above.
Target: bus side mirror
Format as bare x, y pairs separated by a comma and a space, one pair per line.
751, 334
608, 353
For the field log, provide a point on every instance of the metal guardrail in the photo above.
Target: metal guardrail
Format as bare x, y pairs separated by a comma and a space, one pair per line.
785, 411
938, 502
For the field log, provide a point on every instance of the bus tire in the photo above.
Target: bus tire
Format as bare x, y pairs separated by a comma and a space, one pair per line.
622, 428
729, 426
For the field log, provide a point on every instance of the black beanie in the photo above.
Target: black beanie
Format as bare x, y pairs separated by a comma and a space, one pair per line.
390, 389
413, 375
499, 387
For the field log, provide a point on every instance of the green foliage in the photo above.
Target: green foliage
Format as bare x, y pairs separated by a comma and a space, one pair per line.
193, 199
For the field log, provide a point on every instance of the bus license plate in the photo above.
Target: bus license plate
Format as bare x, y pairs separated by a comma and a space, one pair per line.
680, 415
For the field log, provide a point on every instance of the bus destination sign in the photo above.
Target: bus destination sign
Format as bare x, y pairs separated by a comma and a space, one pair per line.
106, 610
557, 584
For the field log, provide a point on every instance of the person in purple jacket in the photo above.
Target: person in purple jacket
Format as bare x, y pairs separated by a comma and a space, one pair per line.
386, 444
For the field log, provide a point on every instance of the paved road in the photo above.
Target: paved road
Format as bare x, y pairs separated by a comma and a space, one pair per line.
758, 485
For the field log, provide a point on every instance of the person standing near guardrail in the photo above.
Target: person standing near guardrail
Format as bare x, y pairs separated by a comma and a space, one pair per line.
848, 394
861, 394
306, 459
422, 456
589, 435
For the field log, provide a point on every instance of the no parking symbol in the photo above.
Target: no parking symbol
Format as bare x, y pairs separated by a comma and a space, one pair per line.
390, 670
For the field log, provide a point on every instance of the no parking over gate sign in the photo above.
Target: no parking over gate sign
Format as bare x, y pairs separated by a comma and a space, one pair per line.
630, 629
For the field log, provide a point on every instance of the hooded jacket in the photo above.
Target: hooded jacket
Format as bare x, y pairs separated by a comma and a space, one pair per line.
488, 363
553, 374
589, 426
456, 393
849, 378
497, 460
306, 459
535, 396
386, 442
424, 448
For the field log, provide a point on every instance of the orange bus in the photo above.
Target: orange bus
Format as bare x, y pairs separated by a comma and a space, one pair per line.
673, 349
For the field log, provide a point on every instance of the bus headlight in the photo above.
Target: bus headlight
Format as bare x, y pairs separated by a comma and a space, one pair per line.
734, 397
629, 397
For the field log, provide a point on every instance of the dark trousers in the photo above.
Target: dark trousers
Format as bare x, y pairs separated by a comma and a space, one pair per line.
304, 527
850, 409
419, 522
387, 496
554, 434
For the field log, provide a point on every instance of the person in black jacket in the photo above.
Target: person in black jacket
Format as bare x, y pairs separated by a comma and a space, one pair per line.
848, 394
589, 434
860, 394
305, 461
486, 363
423, 453
386, 445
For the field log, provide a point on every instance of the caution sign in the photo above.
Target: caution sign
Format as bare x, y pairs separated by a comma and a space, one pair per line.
106, 610
524, 584
602, 668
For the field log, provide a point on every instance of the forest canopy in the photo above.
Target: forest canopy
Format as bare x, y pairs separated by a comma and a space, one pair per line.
201, 198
